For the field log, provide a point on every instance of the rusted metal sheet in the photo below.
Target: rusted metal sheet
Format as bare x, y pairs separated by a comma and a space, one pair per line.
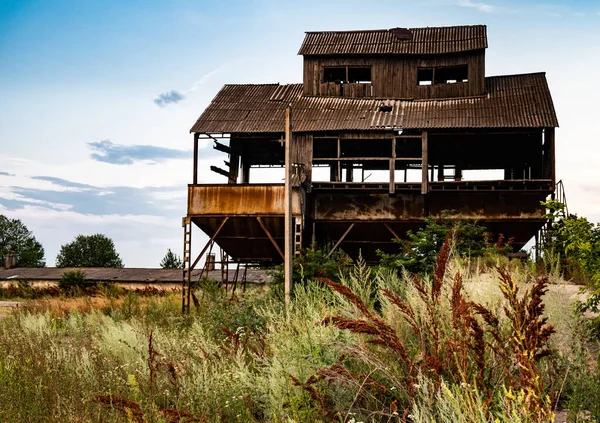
440, 40
368, 207
411, 206
223, 200
512, 101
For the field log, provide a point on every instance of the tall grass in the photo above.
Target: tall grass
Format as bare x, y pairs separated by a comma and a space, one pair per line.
377, 347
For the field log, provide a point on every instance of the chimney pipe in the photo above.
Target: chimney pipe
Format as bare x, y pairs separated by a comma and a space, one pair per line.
10, 260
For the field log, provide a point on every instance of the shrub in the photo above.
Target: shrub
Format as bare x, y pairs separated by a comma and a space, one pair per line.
418, 252
73, 280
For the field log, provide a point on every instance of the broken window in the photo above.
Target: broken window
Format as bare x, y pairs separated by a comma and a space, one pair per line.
345, 74
359, 75
442, 75
451, 74
337, 74
425, 76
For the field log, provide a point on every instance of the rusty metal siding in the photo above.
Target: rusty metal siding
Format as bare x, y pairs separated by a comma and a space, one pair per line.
221, 200
512, 101
440, 40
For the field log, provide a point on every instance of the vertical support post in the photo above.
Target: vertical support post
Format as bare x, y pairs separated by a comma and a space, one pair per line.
424, 163
245, 171
195, 177
551, 149
288, 251
393, 167
339, 162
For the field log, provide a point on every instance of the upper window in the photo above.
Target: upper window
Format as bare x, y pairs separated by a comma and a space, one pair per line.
442, 75
346, 74
337, 74
360, 75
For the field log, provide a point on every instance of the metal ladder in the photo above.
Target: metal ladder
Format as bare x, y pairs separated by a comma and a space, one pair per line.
541, 236
187, 273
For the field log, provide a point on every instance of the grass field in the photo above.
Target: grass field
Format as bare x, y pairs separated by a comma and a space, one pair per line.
379, 347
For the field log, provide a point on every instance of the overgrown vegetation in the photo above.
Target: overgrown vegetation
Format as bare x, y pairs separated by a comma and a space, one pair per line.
377, 345
418, 251
572, 246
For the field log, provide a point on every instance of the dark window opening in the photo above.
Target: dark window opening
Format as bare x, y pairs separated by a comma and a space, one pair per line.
325, 147
359, 75
385, 109
442, 75
451, 74
334, 74
367, 148
408, 147
425, 76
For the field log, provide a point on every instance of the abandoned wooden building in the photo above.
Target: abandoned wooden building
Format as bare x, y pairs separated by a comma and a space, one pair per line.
388, 127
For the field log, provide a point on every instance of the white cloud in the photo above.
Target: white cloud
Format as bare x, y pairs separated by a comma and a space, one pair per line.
482, 7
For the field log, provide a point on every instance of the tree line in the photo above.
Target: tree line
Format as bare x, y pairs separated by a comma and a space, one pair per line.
96, 250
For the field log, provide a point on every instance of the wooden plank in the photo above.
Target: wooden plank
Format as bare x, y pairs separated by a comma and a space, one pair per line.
340, 240
424, 164
195, 176
221, 171
262, 225
550, 137
389, 228
288, 242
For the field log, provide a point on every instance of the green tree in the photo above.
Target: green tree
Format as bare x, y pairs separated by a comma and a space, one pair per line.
171, 261
15, 237
89, 251
576, 241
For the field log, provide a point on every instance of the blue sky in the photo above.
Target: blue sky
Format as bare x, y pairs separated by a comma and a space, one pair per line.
97, 97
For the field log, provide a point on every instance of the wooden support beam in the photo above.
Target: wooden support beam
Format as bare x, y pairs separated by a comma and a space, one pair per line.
389, 228
549, 135
221, 171
341, 239
245, 171
195, 176
424, 163
339, 164
289, 238
212, 238
392, 174
264, 228
224, 148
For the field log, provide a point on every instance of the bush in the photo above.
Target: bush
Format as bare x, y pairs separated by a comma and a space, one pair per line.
73, 280
418, 252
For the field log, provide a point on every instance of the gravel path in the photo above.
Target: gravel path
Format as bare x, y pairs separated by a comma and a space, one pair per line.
9, 304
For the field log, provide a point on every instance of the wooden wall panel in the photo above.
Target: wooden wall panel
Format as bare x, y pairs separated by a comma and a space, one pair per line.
396, 76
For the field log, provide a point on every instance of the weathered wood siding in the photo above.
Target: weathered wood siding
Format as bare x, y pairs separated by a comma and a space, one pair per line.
302, 153
396, 76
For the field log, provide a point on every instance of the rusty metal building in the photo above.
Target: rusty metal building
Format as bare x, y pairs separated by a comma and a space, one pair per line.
389, 126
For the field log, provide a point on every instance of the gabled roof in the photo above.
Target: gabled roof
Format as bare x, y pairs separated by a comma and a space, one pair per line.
440, 40
512, 101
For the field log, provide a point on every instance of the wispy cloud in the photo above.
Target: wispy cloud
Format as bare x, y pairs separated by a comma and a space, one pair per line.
6, 174
108, 152
170, 97
94, 200
203, 79
482, 7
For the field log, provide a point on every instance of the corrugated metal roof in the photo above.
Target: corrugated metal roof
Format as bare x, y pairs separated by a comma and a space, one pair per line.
512, 101
440, 40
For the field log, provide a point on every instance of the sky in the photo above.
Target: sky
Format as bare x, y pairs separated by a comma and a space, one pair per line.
97, 98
